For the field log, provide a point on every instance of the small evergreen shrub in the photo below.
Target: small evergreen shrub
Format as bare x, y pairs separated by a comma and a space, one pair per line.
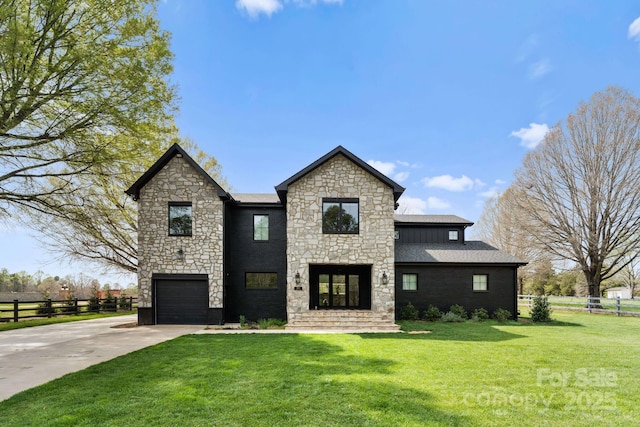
431, 314
540, 311
450, 316
243, 321
459, 310
409, 312
501, 315
479, 314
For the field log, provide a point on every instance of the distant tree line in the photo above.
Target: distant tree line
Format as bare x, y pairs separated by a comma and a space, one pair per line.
79, 285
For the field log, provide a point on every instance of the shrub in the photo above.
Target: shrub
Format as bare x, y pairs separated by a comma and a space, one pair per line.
271, 323
432, 313
409, 312
243, 321
540, 311
459, 310
450, 316
501, 315
479, 314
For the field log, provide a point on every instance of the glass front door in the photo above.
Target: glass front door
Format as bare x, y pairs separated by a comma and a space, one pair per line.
334, 287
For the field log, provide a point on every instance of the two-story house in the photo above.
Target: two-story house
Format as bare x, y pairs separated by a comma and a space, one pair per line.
325, 250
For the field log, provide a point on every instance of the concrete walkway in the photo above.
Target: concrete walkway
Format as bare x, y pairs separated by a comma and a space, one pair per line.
34, 356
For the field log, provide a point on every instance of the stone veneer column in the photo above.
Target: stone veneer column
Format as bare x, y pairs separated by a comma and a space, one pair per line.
178, 181
306, 244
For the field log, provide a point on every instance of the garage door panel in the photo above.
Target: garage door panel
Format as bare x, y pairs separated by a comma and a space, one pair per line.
181, 301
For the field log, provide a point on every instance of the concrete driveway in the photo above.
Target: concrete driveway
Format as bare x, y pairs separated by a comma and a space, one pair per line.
34, 356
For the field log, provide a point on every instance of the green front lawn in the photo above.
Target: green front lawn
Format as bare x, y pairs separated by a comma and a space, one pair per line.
582, 370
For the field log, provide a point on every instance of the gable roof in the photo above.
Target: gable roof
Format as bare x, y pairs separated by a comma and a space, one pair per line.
173, 151
472, 252
432, 219
282, 188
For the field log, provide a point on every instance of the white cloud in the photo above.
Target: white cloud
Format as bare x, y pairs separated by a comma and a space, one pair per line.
255, 7
437, 204
539, 69
401, 176
447, 182
386, 168
411, 205
491, 192
500, 182
527, 48
634, 30
532, 136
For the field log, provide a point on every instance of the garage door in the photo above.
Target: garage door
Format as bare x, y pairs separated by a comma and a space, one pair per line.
181, 301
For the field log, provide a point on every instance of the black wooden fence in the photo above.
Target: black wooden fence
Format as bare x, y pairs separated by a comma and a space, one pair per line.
17, 310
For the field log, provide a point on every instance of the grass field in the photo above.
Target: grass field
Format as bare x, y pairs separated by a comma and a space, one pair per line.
7, 326
580, 370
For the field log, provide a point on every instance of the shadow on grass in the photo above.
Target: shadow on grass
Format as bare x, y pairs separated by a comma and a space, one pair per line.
488, 331
239, 380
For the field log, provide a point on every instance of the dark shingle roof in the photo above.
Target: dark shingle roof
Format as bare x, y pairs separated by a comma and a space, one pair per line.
472, 252
431, 219
256, 198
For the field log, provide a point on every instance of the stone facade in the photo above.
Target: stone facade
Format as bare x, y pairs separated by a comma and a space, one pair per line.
178, 181
306, 244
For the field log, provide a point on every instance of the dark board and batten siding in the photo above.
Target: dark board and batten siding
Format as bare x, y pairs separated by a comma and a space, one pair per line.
426, 234
244, 255
445, 285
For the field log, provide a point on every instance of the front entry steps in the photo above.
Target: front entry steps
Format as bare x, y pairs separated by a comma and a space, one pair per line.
340, 321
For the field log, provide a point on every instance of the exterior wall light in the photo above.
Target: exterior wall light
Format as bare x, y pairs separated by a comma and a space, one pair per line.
297, 287
180, 255
385, 278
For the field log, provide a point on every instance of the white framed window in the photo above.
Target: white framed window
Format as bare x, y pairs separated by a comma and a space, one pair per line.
453, 235
480, 282
410, 282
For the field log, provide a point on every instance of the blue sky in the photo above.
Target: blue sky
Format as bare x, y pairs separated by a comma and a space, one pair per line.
444, 97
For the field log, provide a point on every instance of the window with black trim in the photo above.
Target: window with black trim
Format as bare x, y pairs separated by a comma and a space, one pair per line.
340, 216
180, 219
261, 280
410, 282
453, 235
261, 227
480, 282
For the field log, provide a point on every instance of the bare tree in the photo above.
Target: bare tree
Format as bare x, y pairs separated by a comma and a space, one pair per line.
500, 225
580, 189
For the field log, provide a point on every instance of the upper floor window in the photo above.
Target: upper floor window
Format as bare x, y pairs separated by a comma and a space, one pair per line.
480, 282
180, 218
340, 216
453, 235
410, 282
261, 227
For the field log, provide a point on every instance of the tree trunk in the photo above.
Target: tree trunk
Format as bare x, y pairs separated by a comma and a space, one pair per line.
593, 284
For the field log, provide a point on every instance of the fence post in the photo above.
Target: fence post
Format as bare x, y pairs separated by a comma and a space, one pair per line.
49, 308
75, 305
130, 303
115, 302
15, 310
589, 303
618, 305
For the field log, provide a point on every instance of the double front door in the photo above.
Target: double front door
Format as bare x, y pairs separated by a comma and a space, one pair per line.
340, 287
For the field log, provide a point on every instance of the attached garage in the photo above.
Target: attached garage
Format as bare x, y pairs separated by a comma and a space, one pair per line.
181, 299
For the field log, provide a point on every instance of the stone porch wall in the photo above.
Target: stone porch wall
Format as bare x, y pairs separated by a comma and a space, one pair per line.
306, 244
178, 181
